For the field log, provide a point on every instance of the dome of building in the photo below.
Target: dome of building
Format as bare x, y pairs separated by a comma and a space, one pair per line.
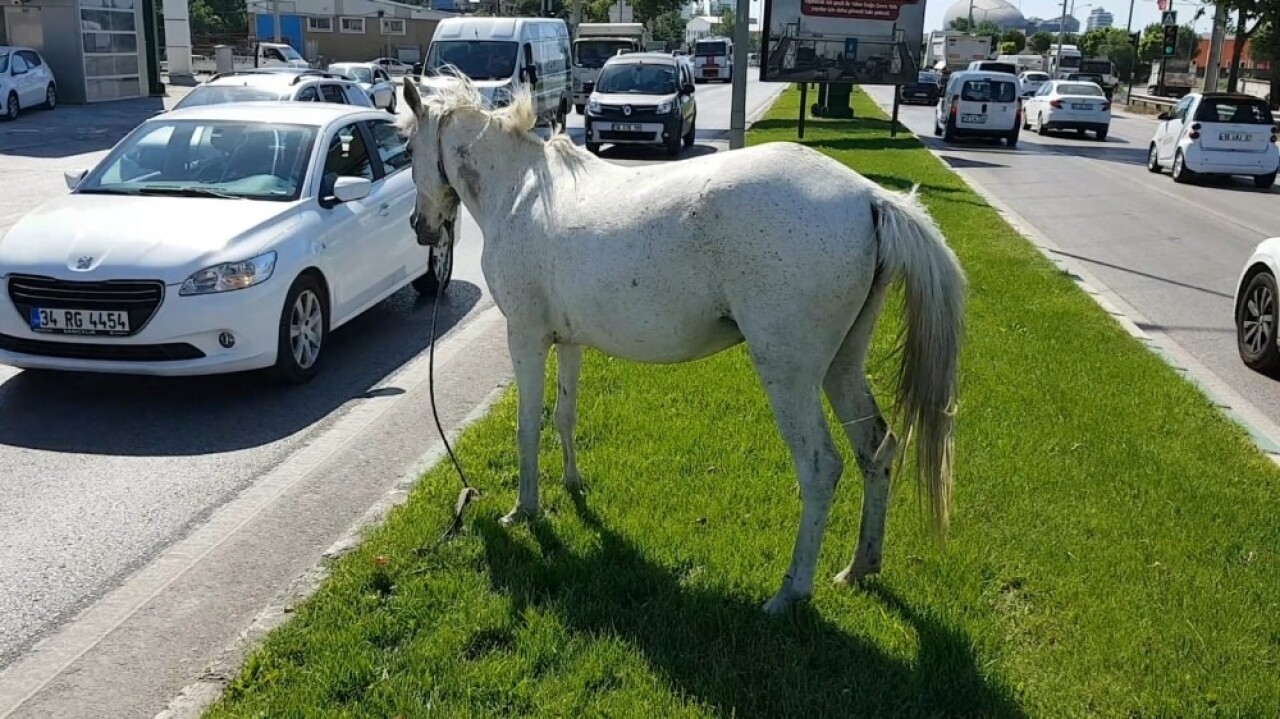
1004, 15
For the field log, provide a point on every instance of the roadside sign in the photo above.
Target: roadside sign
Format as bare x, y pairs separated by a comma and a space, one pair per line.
1169, 18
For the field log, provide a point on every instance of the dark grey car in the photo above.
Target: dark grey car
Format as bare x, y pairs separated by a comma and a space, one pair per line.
643, 99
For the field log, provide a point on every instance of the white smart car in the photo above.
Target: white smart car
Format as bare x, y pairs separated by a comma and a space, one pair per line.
25, 82
1068, 105
217, 239
1216, 134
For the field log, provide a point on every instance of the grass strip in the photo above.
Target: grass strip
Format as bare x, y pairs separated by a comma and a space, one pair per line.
1113, 550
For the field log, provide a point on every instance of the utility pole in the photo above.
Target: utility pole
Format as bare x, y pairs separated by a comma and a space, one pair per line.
1216, 41
275, 18
1133, 66
738, 105
1062, 28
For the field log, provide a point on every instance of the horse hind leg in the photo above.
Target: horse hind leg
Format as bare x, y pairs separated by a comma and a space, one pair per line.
569, 366
874, 444
797, 407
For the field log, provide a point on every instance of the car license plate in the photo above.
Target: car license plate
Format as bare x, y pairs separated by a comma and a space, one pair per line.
627, 128
79, 322
972, 119
1081, 106
1235, 137
707, 71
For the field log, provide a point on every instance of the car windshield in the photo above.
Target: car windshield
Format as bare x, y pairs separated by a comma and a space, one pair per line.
930, 78
477, 59
594, 53
710, 48
218, 94
638, 78
4, 62
1069, 61
1037, 76
1080, 89
207, 158
988, 91
359, 74
1236, 111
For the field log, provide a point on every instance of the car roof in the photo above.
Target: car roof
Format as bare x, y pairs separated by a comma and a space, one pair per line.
1228, 96
272, 77
317, 114
354, 64
660, 58
983, 75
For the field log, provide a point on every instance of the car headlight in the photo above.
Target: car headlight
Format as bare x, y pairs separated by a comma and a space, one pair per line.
593, 105
230, 276
665, 106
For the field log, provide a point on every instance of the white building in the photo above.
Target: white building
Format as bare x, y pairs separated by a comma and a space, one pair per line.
709, 25
1098, 18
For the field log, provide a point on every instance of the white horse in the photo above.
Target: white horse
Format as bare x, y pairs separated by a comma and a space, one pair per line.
777, 245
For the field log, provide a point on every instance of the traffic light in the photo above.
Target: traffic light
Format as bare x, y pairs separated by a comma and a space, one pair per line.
1170, 41
1135, 39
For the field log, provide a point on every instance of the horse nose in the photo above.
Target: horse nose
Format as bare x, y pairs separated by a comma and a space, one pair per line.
414, 219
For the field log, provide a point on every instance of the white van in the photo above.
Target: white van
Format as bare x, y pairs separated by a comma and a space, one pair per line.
501, 54
980, 104
713, 59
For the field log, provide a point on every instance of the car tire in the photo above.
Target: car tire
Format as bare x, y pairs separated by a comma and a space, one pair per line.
937, 129
593, 148
50, 97
949, 132
673, 146
1012, 138
439, 272
1026, 122
1181, 174
306, 314
11, 107
580, 109
1153, 159
1102, 134
691, 136
1264, 182
1041, 128
1256, 325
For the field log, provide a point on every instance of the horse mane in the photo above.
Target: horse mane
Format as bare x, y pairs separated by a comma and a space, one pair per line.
518, 117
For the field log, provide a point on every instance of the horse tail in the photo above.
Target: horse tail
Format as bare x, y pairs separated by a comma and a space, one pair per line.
913, 248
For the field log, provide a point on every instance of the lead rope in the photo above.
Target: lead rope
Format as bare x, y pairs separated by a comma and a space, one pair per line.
468, 492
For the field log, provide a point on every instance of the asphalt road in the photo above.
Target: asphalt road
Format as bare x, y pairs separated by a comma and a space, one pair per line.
100, 473
1172, 252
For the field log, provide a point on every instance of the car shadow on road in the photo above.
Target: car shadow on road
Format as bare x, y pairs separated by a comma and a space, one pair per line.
98, 414
721, 649
74, 129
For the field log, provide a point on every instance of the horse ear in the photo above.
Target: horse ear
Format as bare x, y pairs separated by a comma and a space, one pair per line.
411, 96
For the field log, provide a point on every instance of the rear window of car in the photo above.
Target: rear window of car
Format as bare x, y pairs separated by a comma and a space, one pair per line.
1037, 76
219, 94
1080, 89
1235, 111
998, 67
988, 91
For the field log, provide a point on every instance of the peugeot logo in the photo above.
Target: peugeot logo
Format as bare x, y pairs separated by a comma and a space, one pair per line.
626, 110
84, 263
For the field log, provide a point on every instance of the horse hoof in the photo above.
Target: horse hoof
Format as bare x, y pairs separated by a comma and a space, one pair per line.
515, 516
573, 483
778, 605
856, 573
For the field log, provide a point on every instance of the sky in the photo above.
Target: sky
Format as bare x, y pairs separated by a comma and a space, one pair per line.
1145, 12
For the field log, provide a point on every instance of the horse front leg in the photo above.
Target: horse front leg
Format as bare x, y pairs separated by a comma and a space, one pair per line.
569, 366
529, 359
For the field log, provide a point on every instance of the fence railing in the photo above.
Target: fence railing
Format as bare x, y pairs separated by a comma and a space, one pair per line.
1164, 103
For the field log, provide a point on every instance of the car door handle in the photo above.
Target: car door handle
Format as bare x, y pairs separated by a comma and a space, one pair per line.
384, 208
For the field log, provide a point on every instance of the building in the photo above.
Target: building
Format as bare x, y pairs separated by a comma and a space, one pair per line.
348, 30
1051, 26
97, 49
702, 26
1099, 18
999, 12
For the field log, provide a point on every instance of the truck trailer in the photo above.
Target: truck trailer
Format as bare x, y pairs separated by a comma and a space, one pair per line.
595, 43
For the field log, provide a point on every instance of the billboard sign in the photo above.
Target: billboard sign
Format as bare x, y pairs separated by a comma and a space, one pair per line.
868, 42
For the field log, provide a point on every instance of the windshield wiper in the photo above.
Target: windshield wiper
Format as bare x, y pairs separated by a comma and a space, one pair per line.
187, 192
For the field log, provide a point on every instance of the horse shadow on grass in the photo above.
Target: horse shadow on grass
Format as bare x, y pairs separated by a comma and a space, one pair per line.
721, 650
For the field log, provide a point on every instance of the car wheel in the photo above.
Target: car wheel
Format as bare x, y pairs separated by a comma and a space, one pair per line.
304, 327
50, 97
1102, 134
692, 135
11, 107
1263, 182
1012, 138
439, 272
1153, 159
937, 129
1256, 325
593, 148
1041, 129
1026, 122
1180, 172
673, 145
949, 132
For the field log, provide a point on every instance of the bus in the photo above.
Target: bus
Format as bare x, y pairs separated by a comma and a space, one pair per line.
713, 59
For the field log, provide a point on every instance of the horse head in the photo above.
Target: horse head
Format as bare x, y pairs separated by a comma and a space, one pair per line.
436, 206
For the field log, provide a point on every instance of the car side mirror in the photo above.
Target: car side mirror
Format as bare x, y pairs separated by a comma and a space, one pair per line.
74, 178
350, 189
1162, 116
687, 88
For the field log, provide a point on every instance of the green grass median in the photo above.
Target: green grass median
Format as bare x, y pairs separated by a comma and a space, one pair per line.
1114, 550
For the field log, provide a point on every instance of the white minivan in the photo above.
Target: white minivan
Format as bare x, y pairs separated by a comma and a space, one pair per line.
501, 54
980, 104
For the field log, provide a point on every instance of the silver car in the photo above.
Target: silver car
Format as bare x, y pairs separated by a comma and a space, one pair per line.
373, 79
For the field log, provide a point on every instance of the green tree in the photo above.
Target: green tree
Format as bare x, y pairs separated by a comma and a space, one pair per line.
728, 21
1151, 47
984, 28
1014, 39
668, 27
1260, 43
218, 17
646, 10
1041, 41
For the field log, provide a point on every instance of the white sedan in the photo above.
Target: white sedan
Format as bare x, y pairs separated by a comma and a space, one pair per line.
1068, 105
217, 239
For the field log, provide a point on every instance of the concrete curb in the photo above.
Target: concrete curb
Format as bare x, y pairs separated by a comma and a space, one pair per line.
1264, 432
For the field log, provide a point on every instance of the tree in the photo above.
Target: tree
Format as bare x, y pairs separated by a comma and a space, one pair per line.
1014, 39
985, 28
728, 21
646, 10
1151, 47
218, 17
1041, 42
669, 27
1260, 43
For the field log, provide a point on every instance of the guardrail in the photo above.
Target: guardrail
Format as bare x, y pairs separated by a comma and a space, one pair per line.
1164, 103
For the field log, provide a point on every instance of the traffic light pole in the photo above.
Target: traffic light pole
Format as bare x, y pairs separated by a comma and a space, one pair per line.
1133, 66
